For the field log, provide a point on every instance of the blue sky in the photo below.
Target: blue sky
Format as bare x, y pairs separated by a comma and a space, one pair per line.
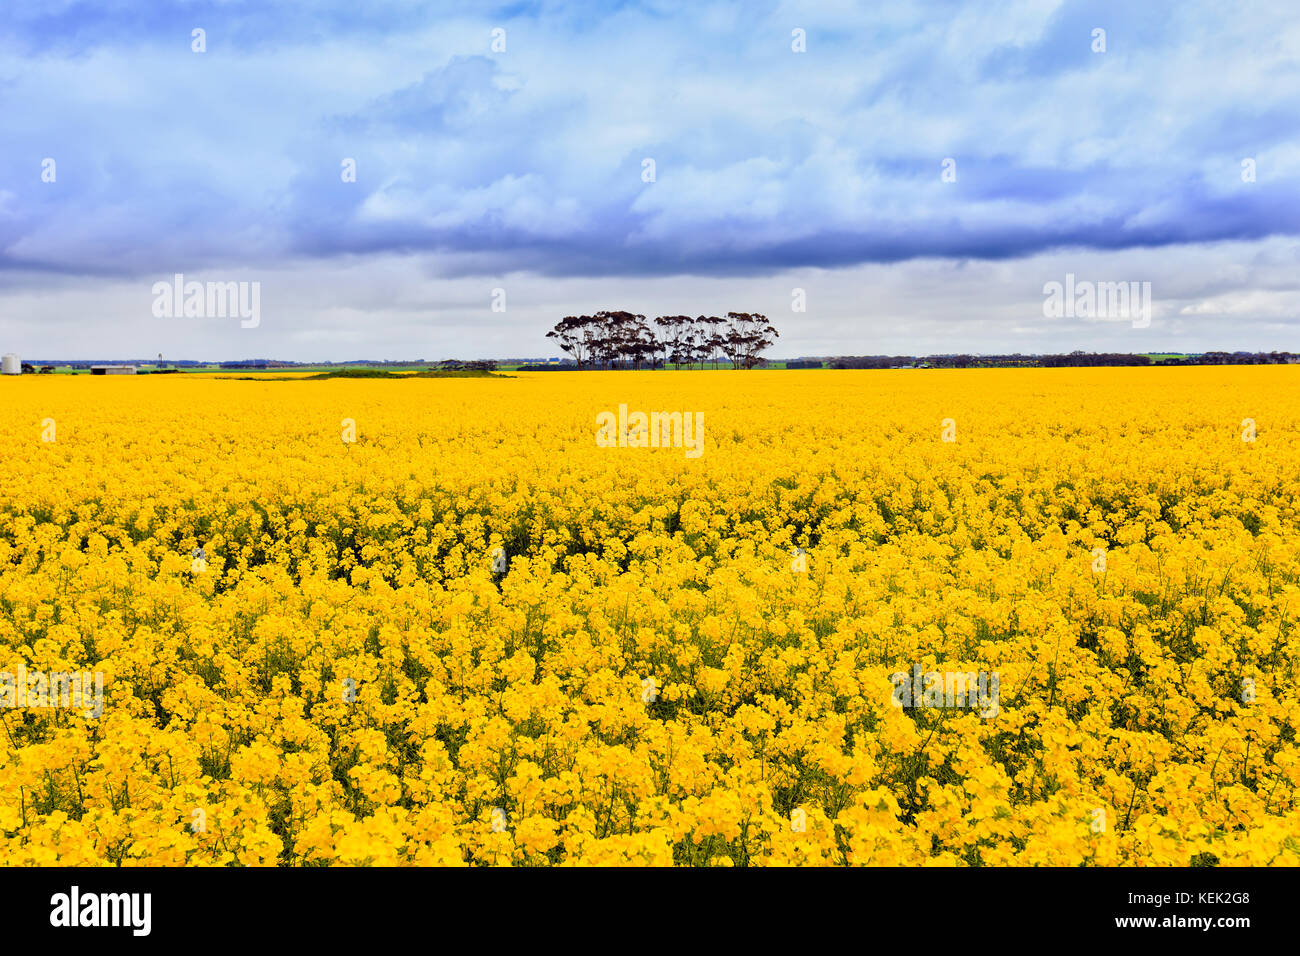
523, 169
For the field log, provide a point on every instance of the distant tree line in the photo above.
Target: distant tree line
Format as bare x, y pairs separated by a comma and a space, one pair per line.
456, 365
1076, 359
628, 340
1233, 358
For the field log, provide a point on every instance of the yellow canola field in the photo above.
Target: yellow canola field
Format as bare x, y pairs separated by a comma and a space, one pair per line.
659, 677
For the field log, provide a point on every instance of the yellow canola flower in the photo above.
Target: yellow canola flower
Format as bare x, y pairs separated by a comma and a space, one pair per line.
475, 637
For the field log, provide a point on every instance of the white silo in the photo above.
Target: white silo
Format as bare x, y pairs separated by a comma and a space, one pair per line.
11, 364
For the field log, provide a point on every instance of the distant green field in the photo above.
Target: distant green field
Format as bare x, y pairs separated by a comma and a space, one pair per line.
696, 368
335, 370
385, 373
150, 369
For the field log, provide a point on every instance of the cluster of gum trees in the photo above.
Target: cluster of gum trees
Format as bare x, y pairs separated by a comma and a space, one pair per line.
628, 340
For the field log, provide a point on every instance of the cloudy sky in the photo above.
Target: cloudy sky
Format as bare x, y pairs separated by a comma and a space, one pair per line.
920, 170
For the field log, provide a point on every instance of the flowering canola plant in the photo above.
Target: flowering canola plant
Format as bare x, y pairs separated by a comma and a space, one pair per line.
466, 633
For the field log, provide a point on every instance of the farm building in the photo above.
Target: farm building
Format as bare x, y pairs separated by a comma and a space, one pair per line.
112, 370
